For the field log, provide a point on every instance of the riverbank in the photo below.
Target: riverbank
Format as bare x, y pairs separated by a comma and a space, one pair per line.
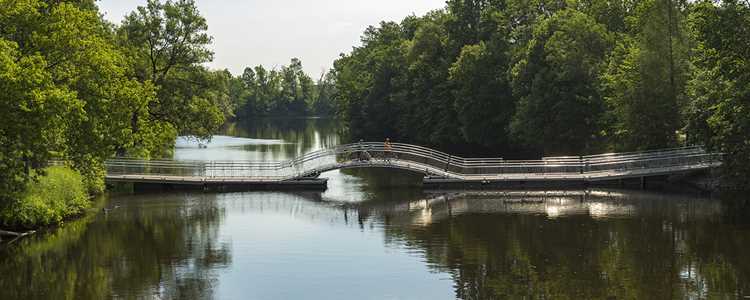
58, 195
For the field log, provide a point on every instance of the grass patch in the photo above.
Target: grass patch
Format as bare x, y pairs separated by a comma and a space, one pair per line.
58, 195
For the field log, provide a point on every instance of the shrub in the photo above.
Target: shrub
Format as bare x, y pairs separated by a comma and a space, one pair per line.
59, 194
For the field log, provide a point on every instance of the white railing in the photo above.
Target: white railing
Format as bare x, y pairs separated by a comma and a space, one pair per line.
415, 158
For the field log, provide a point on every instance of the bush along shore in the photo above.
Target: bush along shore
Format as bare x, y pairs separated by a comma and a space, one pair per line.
59, 193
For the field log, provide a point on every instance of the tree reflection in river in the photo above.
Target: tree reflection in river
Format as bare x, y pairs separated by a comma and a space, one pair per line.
301, 135
169, 250
282, 139
594, 244
586, 245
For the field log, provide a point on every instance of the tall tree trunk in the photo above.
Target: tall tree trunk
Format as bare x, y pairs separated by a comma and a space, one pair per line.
670, 21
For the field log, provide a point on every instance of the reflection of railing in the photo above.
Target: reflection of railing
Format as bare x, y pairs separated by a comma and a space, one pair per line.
420, 159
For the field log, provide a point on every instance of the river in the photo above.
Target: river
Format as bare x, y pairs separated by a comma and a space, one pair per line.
372, 235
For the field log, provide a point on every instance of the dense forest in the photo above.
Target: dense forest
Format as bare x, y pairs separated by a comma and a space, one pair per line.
539, 77
288, 92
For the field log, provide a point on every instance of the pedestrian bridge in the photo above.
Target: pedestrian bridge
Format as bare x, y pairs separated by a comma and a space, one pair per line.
435, 165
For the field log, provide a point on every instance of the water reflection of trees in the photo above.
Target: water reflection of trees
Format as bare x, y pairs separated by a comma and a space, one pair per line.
595, 244
168, 250
301, 135
576, 245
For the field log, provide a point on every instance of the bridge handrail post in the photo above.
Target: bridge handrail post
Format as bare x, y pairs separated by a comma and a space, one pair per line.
448, 163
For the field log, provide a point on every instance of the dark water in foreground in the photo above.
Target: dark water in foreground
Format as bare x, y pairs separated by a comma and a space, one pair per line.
362, 240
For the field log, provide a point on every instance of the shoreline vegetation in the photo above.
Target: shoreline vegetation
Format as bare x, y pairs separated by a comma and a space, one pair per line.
60, 194
481, 77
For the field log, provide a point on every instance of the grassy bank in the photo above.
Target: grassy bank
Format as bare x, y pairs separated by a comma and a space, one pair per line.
58, 195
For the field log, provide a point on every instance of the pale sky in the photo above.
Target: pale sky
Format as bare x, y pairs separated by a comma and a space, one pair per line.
271, 32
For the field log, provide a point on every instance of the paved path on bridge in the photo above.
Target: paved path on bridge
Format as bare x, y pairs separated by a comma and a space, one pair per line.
435, 165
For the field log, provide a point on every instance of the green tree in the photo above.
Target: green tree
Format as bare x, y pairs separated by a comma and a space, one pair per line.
366, 80
169, 44
294, 93
257, 81
719, 115
645, 81
560, 108
484, 100
288, 92
523, 16
35, 114
323, 104
98, 73
471, 21
308, 91
616, 16
428, 95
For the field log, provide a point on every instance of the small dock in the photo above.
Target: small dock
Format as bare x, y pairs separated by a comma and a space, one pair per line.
221, 184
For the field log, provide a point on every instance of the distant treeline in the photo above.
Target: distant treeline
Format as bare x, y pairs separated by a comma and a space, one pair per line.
285, 92
562, 77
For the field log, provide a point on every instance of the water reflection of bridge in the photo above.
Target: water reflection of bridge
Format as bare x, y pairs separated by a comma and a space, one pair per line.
440, 169
593, 203
407, 210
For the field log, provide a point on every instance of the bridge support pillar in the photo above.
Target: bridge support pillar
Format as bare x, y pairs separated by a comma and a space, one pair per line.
643, 182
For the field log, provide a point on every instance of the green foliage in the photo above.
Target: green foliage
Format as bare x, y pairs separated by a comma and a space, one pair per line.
169, 45
75, 90
483, 93
560, 107
76, 55
33, 112
367, 80
559, 77
322, 104
166, 37
424, 90
719, 115
287, 92
445, 79
646, 79
59, 194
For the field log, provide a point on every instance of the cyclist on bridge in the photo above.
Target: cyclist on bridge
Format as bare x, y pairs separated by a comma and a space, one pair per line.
363, 154
387, 149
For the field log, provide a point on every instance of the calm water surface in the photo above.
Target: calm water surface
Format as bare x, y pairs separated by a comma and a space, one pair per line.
364, 239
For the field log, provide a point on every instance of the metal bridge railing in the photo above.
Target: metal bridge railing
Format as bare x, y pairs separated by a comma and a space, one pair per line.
416, 158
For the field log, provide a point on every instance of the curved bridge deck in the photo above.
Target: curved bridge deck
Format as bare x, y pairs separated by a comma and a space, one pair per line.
436, 166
